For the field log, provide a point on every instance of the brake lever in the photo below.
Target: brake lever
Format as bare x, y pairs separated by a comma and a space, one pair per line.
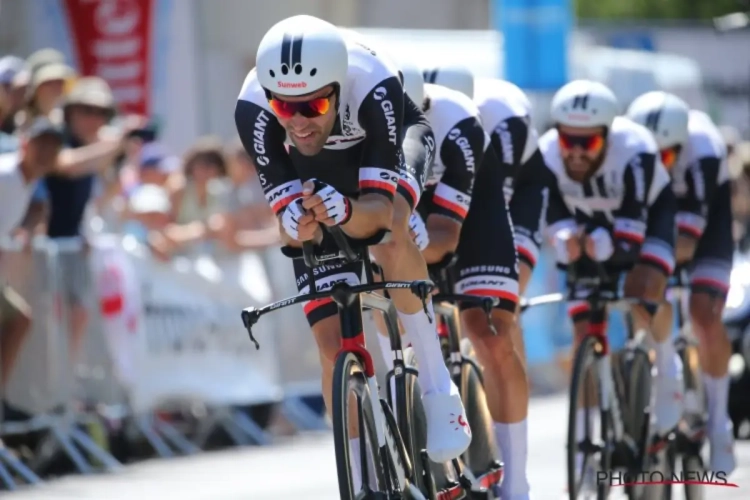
489, 303
250, 316
423, 289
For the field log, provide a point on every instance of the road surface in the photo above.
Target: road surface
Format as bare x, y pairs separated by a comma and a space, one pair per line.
304, 467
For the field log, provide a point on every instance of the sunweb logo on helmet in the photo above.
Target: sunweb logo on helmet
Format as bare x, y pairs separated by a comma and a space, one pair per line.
291, 60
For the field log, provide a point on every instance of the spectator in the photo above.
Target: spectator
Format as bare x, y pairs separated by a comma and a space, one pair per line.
48, 76
10, 67
148, 210
198, 194
8, 142
87, 109
19, 171
741, 194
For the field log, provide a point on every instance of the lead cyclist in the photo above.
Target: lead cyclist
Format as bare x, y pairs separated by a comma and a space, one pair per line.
695, 154
321, 106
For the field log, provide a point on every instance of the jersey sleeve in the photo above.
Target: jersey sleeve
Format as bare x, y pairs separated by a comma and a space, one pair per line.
702, 181
419, 152
658, 245
263, 138
461, 151
509, 140
381, 116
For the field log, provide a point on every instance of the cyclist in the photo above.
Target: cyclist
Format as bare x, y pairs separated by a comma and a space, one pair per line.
483, 241
321, 106
608, 197
694, 152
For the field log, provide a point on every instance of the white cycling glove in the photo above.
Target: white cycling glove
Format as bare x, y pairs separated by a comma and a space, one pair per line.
603, 245
290, 218
416, 224
560, 244
338, 206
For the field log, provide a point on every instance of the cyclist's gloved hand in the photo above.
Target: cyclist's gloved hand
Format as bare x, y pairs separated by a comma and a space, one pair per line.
419, 231
327, 205
599, 245
294, 218
565, 243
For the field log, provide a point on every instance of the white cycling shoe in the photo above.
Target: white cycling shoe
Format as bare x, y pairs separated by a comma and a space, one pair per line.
668, 402
722, 449
448, 432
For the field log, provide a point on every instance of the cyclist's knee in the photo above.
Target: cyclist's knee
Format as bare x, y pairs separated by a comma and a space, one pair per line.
482, 335
645, 282
706, 315
387, 253
328, 337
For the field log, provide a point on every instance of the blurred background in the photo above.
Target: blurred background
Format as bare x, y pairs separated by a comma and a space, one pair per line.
138, 251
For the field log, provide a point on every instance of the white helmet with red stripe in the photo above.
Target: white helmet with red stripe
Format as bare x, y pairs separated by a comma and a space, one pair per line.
584, 103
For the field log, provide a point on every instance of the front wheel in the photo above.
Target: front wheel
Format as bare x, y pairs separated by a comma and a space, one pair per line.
353, 409
582, 450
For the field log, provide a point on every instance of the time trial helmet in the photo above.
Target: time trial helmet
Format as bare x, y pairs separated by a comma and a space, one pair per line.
454, 77
666, 115
300, 55
584, 103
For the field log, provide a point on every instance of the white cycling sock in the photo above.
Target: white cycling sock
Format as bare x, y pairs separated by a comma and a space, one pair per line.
717, 397
433, 374
356, 465
512, 439
668, 363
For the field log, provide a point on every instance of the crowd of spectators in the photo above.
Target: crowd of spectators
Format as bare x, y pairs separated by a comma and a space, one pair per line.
70, 165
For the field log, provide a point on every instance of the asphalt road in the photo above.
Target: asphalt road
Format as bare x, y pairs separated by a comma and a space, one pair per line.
303, 467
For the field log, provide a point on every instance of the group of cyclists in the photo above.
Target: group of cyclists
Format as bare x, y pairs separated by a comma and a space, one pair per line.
345, 135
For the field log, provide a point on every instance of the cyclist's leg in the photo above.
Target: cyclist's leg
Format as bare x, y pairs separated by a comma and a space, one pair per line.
487, 265
648, 280
322, 315
709, 282
400, 259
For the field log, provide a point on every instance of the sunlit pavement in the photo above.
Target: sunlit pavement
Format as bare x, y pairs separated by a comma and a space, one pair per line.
304, 468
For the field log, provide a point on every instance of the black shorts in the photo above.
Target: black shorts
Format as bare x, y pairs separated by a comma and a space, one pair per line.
486, 254
325, 277
712, 260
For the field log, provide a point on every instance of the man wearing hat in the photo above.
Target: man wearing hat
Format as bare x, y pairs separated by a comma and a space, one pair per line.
19, 171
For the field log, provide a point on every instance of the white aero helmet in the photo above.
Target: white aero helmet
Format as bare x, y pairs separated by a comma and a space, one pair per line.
300, 55
411, 79
584, 103
666, 115
454, 77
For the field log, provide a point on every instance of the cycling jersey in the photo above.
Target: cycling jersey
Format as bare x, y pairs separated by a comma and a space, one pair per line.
700, 181
363, 153
464, 185
629, 195
506, 116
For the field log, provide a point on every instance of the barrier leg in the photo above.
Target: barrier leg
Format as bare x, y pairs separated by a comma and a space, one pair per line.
7, 479
18, 466
82, 439
145, 426
68, 447
175, 438
302, 416
250, 428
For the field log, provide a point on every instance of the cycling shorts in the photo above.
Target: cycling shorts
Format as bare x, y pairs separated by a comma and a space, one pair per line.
486, 255
712, 260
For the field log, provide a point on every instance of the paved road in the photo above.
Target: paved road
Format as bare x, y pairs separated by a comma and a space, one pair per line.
304, 468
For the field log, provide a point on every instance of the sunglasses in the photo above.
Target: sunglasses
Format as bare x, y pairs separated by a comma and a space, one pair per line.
589, 143
309, 109
669, 156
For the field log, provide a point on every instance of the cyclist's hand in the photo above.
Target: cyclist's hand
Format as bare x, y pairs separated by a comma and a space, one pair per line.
297, 223
328, 206
567, 245
418, 231
599, 245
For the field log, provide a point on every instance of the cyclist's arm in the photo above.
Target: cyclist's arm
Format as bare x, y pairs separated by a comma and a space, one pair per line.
692, 209
263, 138
509, 139
452, 197
419, 152
381, 116
659, 241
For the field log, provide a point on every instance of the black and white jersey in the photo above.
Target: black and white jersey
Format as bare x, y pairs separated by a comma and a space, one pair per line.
621, 196
363, 153
460, 143
506, 116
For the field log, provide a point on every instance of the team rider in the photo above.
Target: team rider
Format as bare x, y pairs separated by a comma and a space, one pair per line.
607, 196
476, 226
694, 152
338, 107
